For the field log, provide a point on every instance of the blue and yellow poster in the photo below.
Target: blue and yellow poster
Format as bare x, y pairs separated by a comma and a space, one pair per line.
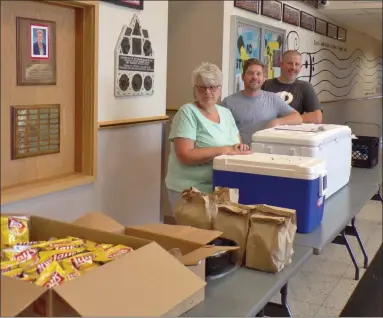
248, 46
273, 53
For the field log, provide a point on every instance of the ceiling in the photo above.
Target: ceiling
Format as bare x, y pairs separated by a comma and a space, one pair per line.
363, 16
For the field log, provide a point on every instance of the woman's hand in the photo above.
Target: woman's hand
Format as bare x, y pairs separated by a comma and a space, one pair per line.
237, 149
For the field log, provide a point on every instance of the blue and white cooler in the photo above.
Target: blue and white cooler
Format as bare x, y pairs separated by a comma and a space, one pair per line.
293, 182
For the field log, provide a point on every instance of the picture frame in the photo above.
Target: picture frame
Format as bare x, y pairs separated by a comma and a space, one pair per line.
291, 15
307, 21
272, 9
35, 51
342, 34
320, 26
134, 4
332, 30
250, 5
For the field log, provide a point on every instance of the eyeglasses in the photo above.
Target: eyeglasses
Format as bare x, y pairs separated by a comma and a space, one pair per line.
203, 89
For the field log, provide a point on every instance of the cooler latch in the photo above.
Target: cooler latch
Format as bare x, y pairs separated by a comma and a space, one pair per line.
323, 184
269, 149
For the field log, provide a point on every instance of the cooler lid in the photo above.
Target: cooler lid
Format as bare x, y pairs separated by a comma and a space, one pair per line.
273, 165
304, 134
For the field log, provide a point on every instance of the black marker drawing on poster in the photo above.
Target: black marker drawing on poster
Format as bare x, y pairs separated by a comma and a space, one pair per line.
346, 73
134, 61
335, 75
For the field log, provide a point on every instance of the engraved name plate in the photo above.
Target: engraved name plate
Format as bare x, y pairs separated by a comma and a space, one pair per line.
35, 130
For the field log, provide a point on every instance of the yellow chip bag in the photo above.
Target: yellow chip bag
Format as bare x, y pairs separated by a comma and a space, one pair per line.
104, 256
92, 246
35, 270
6, 266
19, 256
52, 245
72, 273
51, 276
79, 261
14, 230
17, 272
59, 255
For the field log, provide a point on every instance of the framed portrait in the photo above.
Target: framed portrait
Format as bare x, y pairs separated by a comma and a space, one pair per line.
36, 52
307, 21
134, 4
342, 34
291, 15
251, 5
272, 9
332, 30
320, 26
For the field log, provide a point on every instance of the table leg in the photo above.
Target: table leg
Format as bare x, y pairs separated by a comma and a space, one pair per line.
341, 239
278, 310
356, 234
378, 196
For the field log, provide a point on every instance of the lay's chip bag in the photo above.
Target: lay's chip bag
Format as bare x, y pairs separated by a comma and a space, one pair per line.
53, 275
17, 273
7, 266
80, 261
105, 256
14, 229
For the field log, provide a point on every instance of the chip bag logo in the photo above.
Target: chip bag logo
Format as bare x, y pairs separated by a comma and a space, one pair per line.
61, 256
16, 227
25, 255
73, 275
78, 261
40, 267
56, 279
119, 252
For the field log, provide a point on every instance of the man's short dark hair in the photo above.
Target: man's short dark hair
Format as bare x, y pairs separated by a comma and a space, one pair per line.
250, 62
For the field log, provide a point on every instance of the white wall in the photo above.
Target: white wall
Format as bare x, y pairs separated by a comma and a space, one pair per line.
371, 49
154, 18
192, 38
129, 159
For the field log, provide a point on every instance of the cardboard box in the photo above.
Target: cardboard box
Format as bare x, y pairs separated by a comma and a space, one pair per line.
146, 282
191, 242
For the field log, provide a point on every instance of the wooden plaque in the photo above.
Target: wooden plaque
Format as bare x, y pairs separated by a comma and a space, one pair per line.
36, 52
35, 130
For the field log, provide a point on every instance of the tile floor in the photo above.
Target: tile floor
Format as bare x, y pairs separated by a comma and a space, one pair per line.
326, 282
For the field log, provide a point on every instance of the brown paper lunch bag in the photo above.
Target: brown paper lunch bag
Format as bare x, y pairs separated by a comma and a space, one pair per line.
199, 209
271, 236
233, 220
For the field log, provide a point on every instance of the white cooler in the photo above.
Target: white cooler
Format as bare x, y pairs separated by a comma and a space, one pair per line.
332, 143
297, 183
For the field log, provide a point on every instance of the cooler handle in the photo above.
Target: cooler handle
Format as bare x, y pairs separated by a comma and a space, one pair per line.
322, 183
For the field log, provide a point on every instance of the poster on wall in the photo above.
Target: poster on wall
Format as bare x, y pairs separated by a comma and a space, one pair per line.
273, 52
134, 61
248, 40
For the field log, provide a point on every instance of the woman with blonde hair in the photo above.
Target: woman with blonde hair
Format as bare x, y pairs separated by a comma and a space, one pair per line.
200, 131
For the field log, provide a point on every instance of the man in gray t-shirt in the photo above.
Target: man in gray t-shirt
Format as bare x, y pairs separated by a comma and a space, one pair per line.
254, 109
298, 94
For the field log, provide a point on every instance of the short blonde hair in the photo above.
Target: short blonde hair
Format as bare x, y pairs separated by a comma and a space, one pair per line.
209, 73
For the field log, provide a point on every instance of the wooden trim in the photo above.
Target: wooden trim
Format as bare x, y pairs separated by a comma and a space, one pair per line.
350, 99
34, 189
86, 99
172, 109
133, 121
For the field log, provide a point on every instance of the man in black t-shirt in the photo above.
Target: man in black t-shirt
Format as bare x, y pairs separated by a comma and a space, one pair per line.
298, 94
